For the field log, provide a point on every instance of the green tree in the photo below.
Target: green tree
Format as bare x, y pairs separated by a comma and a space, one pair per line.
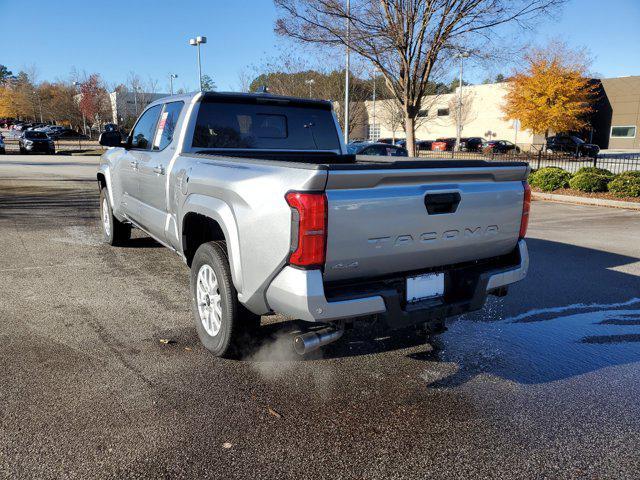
208, 85
5, 74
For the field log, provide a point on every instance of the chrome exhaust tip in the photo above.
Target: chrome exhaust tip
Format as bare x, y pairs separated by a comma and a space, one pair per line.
313, 340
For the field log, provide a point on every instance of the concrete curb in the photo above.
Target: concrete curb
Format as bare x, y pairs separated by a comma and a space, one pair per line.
599, 202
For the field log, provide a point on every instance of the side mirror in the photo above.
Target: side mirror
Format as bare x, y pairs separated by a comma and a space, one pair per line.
110, 139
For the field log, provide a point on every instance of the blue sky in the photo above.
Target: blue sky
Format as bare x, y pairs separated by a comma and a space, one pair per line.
116, 37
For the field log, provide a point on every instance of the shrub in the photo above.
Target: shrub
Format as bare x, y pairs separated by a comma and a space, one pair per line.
597, 170
626, 184
549, 179
589, 182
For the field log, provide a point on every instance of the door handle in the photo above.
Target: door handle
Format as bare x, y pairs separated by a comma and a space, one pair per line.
442, 203
159, 169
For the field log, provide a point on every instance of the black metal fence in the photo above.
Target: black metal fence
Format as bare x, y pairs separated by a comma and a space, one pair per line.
616, 163
64, 145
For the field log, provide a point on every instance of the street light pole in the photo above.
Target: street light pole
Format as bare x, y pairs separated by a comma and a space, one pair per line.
310, 82
196, 42
171, 77
346, 80
461, 56
374, 107
84, 120
35, 92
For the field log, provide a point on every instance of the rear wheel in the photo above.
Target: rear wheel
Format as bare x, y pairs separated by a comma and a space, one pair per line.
114, 231
224, 326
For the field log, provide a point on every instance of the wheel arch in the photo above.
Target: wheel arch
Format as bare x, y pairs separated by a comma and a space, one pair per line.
206, 219
104, 181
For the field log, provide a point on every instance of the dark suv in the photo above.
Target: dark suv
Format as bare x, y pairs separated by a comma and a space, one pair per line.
471, 144
572, 145
32, 141
383, 149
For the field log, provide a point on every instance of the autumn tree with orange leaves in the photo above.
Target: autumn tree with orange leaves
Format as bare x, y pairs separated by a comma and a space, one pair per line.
554, 93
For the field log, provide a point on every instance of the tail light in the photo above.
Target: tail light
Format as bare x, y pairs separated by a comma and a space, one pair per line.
311, 225
526, 206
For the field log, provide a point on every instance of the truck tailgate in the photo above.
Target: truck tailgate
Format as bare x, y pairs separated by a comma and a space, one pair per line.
389, 220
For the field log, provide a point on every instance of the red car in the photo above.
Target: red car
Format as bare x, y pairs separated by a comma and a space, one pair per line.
443, 144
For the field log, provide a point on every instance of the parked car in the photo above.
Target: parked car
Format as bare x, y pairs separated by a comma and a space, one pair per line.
443, 144
571, 145
272, 216
31, 142
66, 134
501, 146
420, 144
423, 145
3, 148
49, 129
471, 144
383, 149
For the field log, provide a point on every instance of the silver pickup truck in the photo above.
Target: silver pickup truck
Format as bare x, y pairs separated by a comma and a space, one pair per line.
259, 197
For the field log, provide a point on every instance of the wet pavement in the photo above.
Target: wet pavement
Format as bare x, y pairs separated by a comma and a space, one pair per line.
542, 383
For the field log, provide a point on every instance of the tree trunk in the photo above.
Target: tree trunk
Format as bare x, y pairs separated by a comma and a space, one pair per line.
410, 124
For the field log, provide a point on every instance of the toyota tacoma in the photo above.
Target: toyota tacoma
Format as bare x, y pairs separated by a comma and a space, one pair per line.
258, 195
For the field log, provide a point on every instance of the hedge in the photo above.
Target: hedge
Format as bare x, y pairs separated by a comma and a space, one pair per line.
548, 179
589, 182
626, 184
596, 170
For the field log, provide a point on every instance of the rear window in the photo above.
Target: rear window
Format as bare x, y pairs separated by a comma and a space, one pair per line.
264, 126
36, 135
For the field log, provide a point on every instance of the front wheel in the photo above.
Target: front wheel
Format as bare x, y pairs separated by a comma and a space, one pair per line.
113, 230
223, 324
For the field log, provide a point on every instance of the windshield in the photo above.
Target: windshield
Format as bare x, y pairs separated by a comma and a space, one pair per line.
579, 141
265, 126
36, 135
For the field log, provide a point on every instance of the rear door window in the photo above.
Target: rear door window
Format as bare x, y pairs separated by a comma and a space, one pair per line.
167, 125
252, 125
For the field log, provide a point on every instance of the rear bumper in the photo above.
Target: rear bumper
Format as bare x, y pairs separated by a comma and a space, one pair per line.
301, 293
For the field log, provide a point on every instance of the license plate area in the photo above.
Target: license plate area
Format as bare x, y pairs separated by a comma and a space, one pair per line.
424, 287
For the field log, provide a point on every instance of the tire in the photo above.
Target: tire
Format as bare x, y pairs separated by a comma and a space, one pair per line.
224, 326
114, 232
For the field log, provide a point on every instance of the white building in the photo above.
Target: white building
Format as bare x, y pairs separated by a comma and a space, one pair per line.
128, 105
482, 116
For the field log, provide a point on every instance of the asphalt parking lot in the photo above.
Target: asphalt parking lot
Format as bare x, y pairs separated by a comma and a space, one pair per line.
544, 383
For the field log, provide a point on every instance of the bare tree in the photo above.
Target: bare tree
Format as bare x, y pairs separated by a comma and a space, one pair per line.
406, 40
244, 80
391, 115
461, 110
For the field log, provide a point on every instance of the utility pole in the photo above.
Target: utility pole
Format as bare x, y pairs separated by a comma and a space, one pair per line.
346, 78
461, 56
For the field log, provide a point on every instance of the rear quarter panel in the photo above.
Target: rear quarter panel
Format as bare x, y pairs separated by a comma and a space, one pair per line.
248, 199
